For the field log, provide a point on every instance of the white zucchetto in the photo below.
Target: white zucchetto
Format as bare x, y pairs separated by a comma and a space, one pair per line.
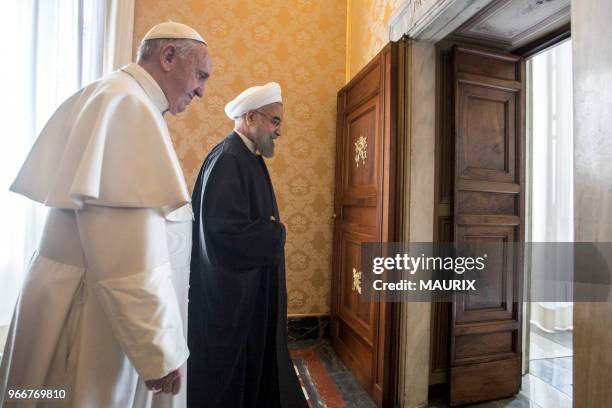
253, 98
171, 29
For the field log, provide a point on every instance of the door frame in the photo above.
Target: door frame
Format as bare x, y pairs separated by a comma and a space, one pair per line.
438, 387
395, 222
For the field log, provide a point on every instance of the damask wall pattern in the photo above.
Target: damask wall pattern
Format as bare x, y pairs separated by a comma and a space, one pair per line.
369, 30
300, 44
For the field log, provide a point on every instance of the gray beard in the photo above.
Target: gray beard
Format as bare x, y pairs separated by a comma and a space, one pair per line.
265, 147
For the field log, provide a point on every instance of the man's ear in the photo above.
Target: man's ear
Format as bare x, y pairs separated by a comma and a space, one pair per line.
167, 56
249, 117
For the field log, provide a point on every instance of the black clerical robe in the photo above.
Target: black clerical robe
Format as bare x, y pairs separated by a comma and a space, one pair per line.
237, 296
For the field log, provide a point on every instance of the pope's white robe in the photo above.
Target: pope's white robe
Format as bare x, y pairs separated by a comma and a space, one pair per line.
103, 307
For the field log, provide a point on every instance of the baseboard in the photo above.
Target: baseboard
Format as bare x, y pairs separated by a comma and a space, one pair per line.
308, 327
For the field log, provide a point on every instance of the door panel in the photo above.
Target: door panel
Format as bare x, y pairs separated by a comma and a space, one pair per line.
361, 169
488, 131
364, 212
359, 314
476, 380
485, 349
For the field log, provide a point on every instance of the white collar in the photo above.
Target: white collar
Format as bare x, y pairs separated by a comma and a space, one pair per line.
149, 84
248, 142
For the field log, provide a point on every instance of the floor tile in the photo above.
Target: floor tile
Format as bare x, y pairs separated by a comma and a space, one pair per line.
541, 347
543, 394
319, 365
554, 374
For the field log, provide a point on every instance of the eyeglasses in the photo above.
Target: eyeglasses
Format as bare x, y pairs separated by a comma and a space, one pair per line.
274, 120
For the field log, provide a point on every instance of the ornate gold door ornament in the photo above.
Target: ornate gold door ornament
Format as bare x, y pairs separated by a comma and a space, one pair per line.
356, 281
361, 146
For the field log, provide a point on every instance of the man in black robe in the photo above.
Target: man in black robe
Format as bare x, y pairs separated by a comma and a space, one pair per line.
237, 297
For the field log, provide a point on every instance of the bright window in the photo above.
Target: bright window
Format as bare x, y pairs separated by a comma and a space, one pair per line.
53, 47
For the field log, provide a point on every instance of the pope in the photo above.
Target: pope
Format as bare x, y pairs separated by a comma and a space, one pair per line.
102, 313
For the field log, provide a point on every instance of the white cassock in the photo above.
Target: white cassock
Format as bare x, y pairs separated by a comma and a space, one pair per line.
104, 304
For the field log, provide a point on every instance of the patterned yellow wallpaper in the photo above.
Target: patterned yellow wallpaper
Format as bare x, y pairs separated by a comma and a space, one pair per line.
300, 44
369, 30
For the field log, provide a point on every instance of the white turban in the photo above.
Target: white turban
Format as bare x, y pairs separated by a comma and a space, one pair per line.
173, 30
253, 98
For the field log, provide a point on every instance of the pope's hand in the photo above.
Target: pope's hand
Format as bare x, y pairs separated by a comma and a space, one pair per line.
170, 384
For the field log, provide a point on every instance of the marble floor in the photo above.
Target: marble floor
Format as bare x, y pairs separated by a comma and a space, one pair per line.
550, 358
329, 384
541, 346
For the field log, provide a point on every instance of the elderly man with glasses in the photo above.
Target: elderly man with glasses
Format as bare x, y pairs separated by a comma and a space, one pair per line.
238, 299
101, 317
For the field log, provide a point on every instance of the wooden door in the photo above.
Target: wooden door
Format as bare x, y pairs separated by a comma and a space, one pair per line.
361, 332
485, 341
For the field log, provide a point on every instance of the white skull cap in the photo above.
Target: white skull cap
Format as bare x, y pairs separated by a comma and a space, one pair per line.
171, 29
